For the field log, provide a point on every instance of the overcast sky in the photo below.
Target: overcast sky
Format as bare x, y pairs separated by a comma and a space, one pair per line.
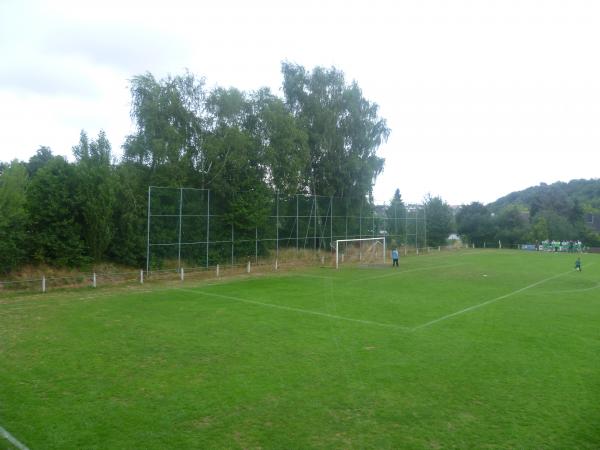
483, 97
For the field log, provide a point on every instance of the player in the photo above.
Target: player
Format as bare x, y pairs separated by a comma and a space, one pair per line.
578, 265
395, 257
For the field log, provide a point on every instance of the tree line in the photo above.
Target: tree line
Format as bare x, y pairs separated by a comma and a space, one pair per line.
320, 138
545, 212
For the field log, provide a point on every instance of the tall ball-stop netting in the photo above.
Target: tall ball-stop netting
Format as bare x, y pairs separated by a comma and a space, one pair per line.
202, 228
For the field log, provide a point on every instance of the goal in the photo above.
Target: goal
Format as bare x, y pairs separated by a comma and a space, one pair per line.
364, 251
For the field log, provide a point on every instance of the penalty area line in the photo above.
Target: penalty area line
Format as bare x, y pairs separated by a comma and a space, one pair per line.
479, 305
394, 273
10, 438
298, 310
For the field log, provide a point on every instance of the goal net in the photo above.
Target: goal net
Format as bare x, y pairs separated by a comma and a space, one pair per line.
361, 251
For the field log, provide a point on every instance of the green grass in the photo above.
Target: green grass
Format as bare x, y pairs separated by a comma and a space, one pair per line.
462, 350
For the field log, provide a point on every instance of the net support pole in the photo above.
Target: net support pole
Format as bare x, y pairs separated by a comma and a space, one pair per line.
337, 255
330, 222
425, 226
277, 230
417, 231
207, 224
94, 279
217, 271
148, 233
315, 230
181, 274
360, 232
141, 277
179, 235
43, 283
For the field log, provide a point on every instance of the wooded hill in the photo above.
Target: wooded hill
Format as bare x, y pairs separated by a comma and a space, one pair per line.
585, 192
559, 211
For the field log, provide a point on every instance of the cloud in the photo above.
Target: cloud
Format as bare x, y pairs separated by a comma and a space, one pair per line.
64, 49
128, 47
46, 75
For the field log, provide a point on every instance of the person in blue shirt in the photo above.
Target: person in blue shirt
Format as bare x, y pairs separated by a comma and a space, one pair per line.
395, 257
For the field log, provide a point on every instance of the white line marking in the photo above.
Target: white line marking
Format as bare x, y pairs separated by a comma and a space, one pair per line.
10, 438
569, 291
402, 272
479, 305
303, 311
308, 275
471, 253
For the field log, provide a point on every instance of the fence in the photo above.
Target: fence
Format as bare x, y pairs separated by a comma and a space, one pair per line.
288, 261
199, 227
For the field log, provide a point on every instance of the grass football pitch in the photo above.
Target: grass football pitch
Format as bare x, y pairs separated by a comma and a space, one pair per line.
473, 349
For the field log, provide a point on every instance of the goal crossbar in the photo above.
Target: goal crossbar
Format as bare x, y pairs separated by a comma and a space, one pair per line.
337, 247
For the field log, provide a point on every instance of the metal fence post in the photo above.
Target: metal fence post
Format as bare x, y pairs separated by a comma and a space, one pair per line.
207, 224
180, 224
148, 232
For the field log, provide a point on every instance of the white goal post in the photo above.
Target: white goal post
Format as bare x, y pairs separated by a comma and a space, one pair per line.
374, 240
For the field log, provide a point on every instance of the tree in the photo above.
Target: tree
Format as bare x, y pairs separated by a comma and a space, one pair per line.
129, 214
549, 224
54, 215
284, 144
474, 224
555, 215
95, 192
440, 221
344, 131
13, 219
511, 225
395, 214
169, 136
42, 156
539, 229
